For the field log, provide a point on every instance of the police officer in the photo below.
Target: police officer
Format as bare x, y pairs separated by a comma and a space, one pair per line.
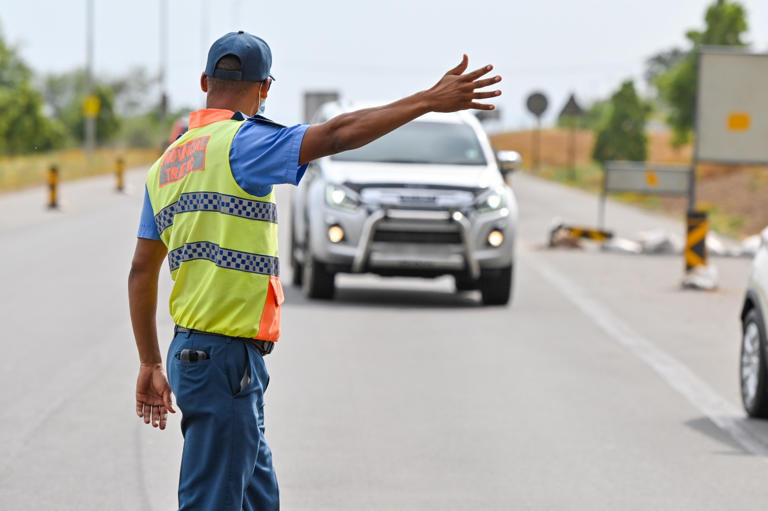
210, 209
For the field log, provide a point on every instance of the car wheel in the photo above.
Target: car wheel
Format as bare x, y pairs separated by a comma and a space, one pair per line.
754, 394
496, 286
317, 281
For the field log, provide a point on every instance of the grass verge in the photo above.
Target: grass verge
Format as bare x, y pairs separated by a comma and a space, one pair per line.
20, 172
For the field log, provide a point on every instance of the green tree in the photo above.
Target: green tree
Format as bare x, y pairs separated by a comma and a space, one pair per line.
622, 135
65, 93
594, 117
726, 22
23, 127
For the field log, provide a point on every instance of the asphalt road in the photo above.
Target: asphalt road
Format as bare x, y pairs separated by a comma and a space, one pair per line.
603, 386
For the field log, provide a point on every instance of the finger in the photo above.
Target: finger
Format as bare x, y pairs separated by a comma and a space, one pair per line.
477, 73
139, 408
168, 402
147, 413
479, 84
163, 416
486, 94
155, 416
461, 67
481, 106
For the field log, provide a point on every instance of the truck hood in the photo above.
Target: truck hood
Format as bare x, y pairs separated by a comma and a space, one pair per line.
459, 176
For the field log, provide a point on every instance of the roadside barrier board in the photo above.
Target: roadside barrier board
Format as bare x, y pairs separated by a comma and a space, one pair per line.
732, 106
639, 177
643, 178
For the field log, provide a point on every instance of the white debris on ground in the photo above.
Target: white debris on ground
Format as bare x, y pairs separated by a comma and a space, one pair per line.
622, 246
701, 278
659, 241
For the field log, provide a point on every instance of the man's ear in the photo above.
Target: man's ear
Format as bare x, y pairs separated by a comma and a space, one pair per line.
263, 89
204, 82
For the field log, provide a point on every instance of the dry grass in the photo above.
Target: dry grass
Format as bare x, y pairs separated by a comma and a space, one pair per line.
734, 196
32, 170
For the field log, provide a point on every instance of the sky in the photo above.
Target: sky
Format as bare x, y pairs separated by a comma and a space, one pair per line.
373, 51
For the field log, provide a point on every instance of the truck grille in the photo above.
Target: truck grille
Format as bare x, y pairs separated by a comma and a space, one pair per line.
448, 237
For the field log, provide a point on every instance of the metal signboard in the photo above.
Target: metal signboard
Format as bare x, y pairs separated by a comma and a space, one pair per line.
537, 103
732, 107
571, 108
313, 100
638, 177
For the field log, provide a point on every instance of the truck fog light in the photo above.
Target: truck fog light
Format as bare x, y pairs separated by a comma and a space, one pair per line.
495, 238
335, 233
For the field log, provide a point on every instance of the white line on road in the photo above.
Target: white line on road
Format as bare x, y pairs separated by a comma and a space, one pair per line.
677, 375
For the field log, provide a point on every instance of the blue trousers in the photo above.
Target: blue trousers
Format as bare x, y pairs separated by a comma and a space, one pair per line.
226, 463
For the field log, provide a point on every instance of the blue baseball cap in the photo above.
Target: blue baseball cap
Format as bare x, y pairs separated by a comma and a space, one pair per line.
253, 52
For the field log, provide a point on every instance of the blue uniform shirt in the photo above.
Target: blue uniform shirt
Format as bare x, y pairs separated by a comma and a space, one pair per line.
262, 154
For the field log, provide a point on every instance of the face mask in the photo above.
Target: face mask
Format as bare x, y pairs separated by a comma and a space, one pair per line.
262, 106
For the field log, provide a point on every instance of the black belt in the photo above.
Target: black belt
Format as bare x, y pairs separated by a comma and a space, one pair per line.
264, 347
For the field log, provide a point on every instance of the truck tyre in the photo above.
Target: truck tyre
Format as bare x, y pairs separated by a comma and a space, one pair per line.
317, 281
496, 286
752, 368
297, 272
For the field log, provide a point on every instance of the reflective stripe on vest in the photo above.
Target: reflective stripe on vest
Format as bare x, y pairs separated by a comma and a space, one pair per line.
222, 241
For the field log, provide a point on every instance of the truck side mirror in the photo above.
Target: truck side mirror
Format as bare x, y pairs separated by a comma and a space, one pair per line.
509, 161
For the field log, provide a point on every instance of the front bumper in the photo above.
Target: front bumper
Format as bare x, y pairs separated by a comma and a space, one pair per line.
398, 241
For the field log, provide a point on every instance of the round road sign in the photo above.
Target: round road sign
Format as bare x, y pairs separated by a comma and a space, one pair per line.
537, 103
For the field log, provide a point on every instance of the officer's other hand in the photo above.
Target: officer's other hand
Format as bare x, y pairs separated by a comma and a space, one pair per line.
458, 91
153, 395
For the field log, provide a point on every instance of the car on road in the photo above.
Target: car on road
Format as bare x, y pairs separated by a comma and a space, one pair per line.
754, 347
426, 200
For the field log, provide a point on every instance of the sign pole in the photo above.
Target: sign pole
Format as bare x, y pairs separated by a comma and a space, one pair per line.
537, 104
90, 120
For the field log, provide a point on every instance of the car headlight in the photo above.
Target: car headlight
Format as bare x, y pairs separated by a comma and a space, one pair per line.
341, 197
491, 201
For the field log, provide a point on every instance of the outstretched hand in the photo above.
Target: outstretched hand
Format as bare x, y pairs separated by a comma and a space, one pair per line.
458, 91
153, 395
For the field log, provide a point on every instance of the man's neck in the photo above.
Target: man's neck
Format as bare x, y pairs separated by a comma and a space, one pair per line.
228, 104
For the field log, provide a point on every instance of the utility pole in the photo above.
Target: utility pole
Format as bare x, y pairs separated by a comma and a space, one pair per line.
163, 52
90, 106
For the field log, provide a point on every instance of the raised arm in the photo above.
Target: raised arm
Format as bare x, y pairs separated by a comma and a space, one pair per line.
455, 91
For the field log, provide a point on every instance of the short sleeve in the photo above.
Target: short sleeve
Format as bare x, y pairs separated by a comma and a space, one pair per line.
263, 155
147, 226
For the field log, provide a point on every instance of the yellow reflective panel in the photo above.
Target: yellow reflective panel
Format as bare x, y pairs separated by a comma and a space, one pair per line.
738, 121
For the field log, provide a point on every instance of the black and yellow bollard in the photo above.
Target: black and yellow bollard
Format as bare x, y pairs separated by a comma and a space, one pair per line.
53, 184
696, 240
119, 170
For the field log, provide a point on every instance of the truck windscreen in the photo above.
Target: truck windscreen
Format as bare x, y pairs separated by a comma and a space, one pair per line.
422, 142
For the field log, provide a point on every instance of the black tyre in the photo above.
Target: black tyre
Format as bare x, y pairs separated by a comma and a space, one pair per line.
296, 270
496, 286
752, 369
297, 274
317, 281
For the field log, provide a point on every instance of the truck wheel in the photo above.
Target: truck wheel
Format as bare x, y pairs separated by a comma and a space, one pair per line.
317, 282
297, 272
753, 371
496, 286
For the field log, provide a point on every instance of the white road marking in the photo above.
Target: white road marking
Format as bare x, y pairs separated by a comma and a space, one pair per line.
724, 415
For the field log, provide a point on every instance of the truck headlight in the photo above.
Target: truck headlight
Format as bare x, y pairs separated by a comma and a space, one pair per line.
490, 201
341, 197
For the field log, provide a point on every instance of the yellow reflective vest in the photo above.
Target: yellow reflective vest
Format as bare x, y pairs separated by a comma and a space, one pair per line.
222, 241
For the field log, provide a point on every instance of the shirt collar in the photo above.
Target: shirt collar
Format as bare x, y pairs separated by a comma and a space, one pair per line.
207, 116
